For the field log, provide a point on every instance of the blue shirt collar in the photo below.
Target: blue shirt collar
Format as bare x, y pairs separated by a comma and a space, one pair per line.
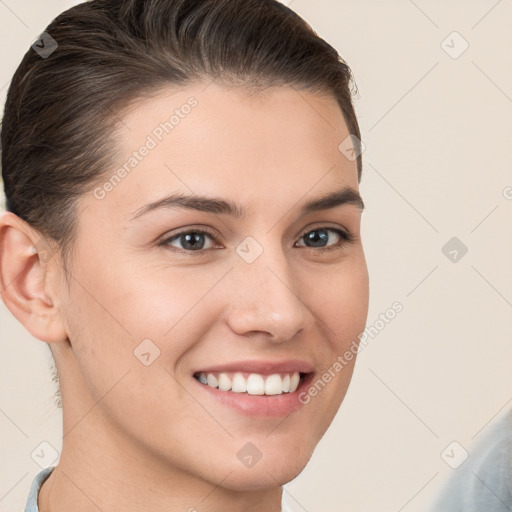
34, 489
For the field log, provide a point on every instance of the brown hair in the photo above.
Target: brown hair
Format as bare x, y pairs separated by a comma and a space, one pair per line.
61, 108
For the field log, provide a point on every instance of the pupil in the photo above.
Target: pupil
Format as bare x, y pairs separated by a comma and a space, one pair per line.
192, 241
318, 237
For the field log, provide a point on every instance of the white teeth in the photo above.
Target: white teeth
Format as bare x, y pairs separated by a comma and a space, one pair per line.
224, 382
212, 381
294, 382
274, 385
286, 384
239, 383
255, 384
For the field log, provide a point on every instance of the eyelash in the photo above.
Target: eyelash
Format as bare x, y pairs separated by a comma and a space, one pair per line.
346, 237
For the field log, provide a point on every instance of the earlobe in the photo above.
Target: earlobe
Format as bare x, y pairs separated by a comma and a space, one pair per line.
25, 284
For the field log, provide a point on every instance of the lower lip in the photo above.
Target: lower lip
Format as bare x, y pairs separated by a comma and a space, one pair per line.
262, 406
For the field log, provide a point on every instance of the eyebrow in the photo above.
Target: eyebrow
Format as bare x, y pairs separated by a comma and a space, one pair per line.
219, 206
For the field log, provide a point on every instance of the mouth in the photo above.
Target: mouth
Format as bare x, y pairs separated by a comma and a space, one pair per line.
252, 383
257, 388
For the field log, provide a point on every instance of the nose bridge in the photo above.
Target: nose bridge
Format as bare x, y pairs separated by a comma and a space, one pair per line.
268, 298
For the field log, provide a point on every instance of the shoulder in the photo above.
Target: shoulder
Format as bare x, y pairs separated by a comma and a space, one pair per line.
484, 481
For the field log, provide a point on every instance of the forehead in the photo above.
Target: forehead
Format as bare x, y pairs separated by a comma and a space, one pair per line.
265, 146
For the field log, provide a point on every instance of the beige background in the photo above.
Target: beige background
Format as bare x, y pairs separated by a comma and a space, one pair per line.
437, 165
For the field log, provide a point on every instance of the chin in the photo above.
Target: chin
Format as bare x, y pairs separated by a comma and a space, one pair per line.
275, 468
264, 477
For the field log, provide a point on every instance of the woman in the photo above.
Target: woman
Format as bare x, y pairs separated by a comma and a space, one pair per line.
183, 231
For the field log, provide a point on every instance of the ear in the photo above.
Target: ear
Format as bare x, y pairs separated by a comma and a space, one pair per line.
26, 285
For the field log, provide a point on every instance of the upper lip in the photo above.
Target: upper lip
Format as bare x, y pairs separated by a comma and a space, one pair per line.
263, 367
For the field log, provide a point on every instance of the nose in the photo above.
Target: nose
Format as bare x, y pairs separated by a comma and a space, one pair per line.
268, 301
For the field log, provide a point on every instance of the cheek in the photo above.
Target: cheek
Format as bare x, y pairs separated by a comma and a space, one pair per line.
339, 298
121, 318
340, 302
157, 297
135, 391
131, 304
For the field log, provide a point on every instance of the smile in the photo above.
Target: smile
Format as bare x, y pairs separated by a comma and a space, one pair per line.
251, 383
257, 388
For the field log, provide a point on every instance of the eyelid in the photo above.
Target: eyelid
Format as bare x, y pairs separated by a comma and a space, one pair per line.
339, 229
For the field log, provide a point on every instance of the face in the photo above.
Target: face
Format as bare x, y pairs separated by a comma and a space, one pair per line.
197, 326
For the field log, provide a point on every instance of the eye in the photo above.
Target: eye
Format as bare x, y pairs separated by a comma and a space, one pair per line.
200, 240
190, 241
320, 237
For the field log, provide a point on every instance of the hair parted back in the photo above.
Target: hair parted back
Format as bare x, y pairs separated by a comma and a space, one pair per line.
61, 111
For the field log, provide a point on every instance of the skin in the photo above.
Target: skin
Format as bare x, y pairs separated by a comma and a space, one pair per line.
142, 437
